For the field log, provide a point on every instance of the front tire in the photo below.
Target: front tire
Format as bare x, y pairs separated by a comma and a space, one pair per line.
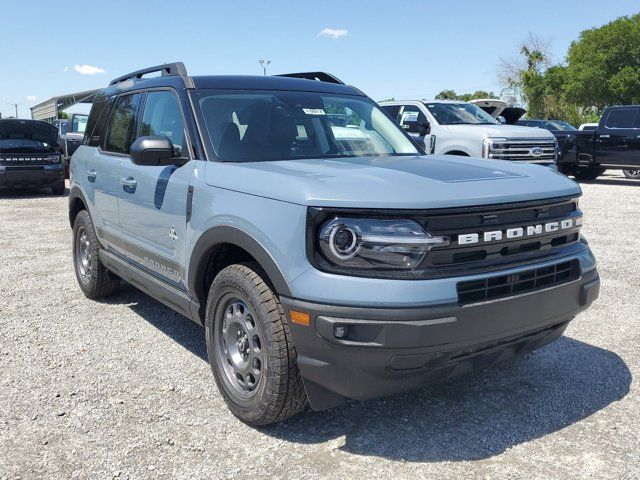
59, 189
633, 173
250, 348
587, 174
94, 279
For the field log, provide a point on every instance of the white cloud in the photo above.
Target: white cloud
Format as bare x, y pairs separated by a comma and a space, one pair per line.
88, 69
333, 33
65, 69
31, 98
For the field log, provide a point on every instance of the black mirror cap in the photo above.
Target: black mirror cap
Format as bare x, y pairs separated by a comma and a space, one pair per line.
425, 129
411, 126
152, 151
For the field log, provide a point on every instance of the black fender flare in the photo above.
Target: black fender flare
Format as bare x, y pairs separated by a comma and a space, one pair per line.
75, 193
234, 236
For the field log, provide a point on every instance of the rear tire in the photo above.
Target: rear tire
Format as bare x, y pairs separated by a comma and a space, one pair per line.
250, 348
94, 279
633, 173
587, 174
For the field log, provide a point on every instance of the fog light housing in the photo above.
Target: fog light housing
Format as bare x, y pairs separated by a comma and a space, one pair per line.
340, 331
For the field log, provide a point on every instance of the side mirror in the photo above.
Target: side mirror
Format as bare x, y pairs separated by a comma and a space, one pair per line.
154, 151
502, 120
421, 128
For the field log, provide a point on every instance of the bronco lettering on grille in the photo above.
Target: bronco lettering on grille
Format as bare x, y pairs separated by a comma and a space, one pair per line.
519, 232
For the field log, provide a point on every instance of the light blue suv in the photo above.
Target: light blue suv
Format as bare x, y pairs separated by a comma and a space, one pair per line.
326, 257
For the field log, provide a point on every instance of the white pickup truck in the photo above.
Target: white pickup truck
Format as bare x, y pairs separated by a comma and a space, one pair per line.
455, 127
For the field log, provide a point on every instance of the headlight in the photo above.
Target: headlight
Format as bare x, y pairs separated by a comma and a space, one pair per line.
375, 244
492, 143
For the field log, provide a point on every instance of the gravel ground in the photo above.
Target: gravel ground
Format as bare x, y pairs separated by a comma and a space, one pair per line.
122, 389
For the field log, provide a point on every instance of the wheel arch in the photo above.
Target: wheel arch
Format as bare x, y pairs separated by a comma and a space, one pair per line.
457, 152
222, 246
77, 203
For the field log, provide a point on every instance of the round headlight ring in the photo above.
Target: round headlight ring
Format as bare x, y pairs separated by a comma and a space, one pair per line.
352, 244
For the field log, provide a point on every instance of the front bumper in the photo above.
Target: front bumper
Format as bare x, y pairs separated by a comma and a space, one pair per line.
35, 176
389, 350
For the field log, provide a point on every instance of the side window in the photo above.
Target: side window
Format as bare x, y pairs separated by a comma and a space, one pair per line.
162, 116
392, 110
122, 124
96, 124
621, 118
411, 113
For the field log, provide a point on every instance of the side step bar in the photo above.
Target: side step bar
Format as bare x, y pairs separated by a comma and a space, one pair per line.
172, 297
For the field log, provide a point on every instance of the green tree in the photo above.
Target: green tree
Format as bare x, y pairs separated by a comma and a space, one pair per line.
63, 115
604, 65
465, 97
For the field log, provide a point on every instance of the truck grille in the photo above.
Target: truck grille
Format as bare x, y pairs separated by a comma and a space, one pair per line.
454, 258
526, 149
518, 283
28, 159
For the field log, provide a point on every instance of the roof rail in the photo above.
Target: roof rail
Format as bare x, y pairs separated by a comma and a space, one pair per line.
177, 69
319, 76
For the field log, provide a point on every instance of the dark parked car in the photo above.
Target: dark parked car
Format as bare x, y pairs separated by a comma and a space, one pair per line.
563, 131
29, 155
614, 144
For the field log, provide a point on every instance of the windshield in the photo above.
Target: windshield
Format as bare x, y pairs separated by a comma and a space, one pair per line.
460, 114
564, 125
79, 123
265, 125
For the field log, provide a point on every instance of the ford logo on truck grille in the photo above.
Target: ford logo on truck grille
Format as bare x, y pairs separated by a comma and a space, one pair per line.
536, 151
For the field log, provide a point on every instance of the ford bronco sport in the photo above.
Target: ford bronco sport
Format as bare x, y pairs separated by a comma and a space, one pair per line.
29, 156
325, 257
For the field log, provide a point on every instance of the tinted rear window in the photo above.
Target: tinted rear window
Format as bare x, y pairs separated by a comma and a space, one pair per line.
622, 118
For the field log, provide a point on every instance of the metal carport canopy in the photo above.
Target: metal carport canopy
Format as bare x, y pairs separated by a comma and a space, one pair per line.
49, 109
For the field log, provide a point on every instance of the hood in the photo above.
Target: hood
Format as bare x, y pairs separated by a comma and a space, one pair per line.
419, 182
505, 131
15, 129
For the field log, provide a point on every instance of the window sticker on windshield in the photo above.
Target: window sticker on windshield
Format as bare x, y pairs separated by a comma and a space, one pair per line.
313, 111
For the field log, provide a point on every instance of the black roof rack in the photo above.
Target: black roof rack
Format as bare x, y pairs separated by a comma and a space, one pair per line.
319, 76
176, 69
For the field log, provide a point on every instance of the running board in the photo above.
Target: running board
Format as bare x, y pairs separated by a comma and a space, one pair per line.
173, 298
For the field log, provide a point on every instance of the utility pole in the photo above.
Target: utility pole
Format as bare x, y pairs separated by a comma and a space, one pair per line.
263, 64
16, 107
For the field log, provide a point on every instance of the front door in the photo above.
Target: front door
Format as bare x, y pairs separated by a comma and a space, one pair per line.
102, 167
153, 199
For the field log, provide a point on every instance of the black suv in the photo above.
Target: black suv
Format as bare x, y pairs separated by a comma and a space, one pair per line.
29, 155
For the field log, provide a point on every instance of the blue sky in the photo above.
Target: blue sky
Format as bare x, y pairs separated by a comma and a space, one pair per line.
390, 49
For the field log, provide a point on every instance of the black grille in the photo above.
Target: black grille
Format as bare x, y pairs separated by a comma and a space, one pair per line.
517, 283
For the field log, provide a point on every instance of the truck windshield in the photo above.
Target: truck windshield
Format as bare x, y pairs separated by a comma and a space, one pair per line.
272, 125
79, 123
460, 114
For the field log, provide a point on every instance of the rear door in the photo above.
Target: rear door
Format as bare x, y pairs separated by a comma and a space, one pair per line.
153, 199
617, 138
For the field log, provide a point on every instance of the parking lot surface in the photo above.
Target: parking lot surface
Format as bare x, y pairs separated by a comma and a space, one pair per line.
122, 388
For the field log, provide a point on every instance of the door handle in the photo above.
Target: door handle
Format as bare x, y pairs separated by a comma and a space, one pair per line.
91, 175
129, 184
605, 136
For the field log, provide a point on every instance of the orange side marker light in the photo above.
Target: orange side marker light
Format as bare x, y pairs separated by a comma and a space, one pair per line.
300, 318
